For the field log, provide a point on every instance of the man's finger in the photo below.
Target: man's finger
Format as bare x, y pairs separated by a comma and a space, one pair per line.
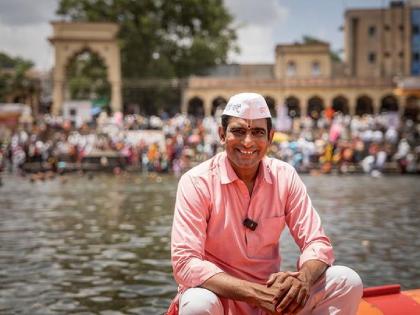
305, 300
291, 308
282, 290
279, 276
301, 296
297, 304
290, 296
271, 279
293, 273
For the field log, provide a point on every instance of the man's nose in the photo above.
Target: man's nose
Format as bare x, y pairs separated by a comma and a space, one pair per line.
248, 139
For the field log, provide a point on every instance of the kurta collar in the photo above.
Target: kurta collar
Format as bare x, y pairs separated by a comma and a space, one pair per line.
228, 175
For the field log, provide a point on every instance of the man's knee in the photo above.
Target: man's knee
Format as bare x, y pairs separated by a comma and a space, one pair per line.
199, 301
347, 280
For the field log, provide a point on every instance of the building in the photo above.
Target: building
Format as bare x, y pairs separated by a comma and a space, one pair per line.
382, 51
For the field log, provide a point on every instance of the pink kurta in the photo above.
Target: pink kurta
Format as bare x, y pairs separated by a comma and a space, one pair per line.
208, 236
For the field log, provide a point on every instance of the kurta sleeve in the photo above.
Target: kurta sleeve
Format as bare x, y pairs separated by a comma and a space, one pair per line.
305, 224
192, 210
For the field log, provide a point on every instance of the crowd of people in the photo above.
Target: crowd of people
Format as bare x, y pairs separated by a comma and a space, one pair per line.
333, 143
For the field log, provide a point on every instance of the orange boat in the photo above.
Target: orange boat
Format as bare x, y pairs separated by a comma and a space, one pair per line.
389, 300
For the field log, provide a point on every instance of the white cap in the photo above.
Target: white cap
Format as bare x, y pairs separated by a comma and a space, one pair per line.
247, 106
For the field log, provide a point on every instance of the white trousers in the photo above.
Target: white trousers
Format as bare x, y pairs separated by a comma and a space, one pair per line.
338, 291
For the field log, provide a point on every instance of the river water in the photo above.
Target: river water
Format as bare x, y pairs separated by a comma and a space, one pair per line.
100, 244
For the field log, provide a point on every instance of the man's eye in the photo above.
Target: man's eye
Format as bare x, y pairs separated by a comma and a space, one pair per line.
258, 133
238, 132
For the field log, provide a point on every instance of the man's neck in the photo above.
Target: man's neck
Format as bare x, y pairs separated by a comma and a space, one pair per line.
248, 176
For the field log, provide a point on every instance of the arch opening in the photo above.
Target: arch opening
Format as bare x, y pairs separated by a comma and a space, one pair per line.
86, 77
411, 110
218, 103
341, 104
364, 105
293, 107
389, 104
315, 107
196, 107
271, 102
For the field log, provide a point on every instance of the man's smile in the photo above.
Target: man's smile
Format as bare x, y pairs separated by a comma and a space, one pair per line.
247, 152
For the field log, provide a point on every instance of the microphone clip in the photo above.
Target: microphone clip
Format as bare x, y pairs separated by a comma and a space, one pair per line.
250, 224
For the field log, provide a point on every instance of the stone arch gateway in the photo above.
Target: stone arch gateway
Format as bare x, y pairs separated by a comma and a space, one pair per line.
69, 39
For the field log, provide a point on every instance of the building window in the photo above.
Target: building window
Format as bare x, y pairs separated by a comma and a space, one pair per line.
316, 68
372, 57
372, 31
291, 68
401, 54
386, 27
416, 29
401, 27
416, 56
73, 112
387, 54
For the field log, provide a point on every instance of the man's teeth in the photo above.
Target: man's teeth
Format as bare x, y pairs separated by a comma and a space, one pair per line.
246, 152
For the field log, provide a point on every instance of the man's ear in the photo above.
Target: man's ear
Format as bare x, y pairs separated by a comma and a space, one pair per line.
270, 136
222, 135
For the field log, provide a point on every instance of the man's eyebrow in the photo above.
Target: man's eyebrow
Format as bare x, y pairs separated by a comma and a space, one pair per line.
238, 127
259, 128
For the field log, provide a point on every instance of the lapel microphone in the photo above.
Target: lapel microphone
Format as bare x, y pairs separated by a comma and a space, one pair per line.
250, 224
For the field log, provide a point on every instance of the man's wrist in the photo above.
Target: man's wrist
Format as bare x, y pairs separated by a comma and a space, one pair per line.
312, 270
305, 276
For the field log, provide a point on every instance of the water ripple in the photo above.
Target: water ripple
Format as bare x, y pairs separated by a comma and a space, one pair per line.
101, 245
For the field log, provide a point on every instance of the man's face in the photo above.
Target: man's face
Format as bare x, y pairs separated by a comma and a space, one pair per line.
246, 142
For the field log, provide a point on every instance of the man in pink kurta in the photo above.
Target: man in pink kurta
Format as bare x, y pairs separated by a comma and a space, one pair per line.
229, 215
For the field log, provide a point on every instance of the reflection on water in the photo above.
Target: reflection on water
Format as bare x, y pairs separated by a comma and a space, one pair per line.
101, 245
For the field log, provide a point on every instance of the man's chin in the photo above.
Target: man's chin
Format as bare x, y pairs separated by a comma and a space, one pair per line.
246, 164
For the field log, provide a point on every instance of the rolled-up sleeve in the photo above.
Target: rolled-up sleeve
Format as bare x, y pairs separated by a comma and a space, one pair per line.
305, 225
188, 239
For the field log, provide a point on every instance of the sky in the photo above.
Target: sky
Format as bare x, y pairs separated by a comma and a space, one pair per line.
262, 24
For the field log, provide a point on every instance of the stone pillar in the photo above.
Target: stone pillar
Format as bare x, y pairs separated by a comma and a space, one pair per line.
59, 79
58, 97
184, 103
401, 104
207, 106
304, 107
116, 100
112, 61
377, 103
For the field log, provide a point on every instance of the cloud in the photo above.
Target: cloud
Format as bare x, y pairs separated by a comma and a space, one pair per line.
263, 13
24, 29
256, 44
256, 28
29, 42
24, 12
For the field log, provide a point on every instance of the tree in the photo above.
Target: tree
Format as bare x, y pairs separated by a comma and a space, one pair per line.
307, 39
87, 77
13, 77
161, 39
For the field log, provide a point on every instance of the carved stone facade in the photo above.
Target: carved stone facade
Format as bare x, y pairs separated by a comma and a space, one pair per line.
301, 96
72, 38
307, 80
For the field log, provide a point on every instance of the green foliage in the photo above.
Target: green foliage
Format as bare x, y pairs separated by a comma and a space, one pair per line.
13, 79
160, 38
87, 77
307, 39
335, 56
